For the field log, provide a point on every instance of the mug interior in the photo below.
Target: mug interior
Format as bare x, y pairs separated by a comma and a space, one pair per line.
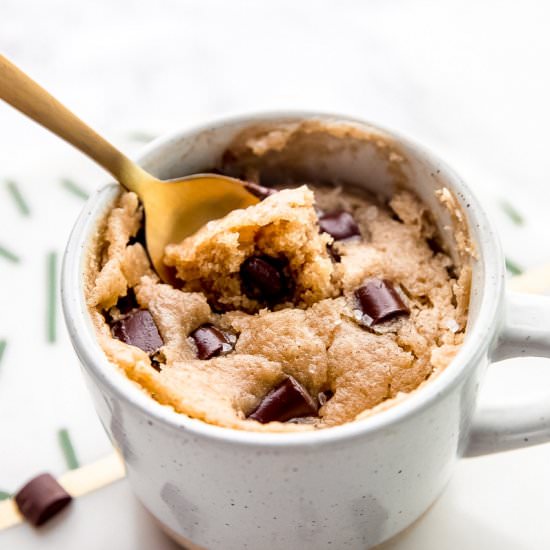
350, 153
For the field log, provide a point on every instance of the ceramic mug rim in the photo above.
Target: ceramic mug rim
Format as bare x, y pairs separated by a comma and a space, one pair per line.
96, 363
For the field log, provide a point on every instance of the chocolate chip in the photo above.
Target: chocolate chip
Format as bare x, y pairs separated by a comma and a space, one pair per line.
287, 401
339, 225
379, 301
211, 341
138, 329
259, 190
263, 278
41, 498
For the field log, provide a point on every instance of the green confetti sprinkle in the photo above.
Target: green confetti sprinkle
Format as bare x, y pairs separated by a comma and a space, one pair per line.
51, 296
18, 198
74, 188
68, 450
512, 267
3, 345
4, 495
8, 255
511, 212
139, 135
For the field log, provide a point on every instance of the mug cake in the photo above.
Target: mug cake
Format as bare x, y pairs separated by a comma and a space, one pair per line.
319, 305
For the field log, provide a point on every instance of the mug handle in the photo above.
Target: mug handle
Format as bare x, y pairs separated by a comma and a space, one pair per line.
525, 332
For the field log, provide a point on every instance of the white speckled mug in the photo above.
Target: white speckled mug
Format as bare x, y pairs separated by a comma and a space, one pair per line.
351, 486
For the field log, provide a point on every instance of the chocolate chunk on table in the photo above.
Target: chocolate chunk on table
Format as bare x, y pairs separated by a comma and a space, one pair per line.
287, 401
263, 278
379, 301
259, 190
138, 329
210, 341
339, 225
41, 498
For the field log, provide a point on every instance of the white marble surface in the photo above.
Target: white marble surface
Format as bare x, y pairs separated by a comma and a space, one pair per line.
468, 79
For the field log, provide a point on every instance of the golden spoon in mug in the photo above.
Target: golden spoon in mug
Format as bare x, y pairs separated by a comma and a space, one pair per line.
174, 209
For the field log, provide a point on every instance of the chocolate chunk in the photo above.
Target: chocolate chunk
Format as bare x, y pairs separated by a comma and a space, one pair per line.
287, 401
41, 498
211, 341
259, 190
263, 278
379, 301
339, 225
138, 329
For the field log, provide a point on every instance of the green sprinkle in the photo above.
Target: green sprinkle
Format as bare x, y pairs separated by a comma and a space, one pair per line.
511, 212
5, 253
141, 136
51, 298
74, 188
512, 267
4, 495
18, 198
3, 345
67, 448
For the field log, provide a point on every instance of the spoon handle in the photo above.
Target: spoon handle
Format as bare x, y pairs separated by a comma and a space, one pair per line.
23, 93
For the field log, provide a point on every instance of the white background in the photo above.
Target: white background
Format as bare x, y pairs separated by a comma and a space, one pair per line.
468, 79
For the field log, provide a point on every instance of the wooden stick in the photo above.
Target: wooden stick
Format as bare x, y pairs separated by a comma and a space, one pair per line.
81, 481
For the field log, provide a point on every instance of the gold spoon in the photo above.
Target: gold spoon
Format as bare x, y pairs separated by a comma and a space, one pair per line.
174, 209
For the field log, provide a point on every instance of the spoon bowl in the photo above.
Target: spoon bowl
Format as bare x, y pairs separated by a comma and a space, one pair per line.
175, 209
